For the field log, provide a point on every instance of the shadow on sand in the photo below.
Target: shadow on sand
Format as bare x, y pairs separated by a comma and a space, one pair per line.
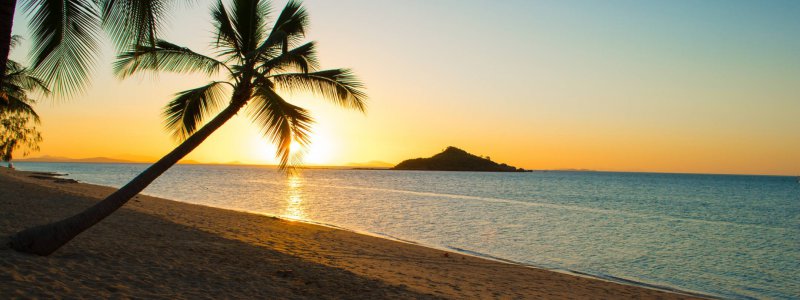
132, 254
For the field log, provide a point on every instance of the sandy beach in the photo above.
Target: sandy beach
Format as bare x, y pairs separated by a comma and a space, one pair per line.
158, 248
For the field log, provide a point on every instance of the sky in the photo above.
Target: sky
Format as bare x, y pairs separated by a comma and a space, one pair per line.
655, 86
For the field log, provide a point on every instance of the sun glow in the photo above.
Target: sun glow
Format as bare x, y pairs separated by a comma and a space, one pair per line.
661, 98
295, 148
294, 200
318, 152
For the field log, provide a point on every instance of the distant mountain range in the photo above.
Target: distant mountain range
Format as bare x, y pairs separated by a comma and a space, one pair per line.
48, 158
454, 159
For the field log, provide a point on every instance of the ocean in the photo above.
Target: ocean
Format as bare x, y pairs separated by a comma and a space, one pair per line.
730, 236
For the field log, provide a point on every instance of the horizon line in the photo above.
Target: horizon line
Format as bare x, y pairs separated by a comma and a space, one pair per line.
320, 166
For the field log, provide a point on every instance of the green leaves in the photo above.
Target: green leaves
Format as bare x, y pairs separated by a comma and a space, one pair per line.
248, 21
65, 34
289, 28
164, 57
16, 132
15, 89
338, 85
227, 38
16, 112
301, 59
133, 21
186, 112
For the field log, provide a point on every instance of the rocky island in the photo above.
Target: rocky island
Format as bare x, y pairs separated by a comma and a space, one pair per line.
454, 159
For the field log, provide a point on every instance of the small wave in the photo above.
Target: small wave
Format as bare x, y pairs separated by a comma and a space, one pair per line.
554, 206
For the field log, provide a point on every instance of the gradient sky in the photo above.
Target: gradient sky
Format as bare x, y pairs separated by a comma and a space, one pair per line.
664, 86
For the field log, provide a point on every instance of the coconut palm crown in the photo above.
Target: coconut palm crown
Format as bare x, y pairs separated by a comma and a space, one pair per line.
15, 90
260, 61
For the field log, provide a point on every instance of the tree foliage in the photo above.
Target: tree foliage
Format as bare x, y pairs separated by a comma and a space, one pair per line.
17, 133
18, 120
264, 65
66, 35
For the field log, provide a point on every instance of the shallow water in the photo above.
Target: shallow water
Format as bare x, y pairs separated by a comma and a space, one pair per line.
725, 235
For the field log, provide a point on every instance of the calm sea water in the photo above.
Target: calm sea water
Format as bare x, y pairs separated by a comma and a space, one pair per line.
729, 236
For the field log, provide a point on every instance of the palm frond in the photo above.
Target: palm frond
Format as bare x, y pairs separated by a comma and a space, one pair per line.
15, 41
133, 21
15, 100
13, 67
281, 122
338, 85
165, 56
65, 35
289, 28
302, 59
227, 37
186, 112
25, 81
15, 87
248, 20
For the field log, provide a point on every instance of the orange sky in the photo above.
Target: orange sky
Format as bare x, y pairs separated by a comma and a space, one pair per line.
664, 87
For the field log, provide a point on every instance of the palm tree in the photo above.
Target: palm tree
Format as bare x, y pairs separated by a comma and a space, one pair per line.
16, 85
17, 117
7, 8
259, 62
66, 34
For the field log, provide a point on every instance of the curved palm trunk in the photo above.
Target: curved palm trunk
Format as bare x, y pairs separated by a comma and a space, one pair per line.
7, 8
45, 239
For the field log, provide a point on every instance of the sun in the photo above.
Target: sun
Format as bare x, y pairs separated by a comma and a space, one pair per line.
319, 151
295, 147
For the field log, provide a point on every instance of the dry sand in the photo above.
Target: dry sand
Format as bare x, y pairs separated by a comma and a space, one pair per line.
157, 248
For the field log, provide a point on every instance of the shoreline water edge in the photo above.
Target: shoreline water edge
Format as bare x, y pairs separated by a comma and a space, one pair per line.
69, 185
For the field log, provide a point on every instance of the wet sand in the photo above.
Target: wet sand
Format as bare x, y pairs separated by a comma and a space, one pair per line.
158, 248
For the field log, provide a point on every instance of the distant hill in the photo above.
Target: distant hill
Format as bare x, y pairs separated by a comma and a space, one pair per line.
454, 159
48, 158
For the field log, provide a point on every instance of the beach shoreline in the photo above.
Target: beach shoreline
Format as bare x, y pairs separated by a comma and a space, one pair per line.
390, 268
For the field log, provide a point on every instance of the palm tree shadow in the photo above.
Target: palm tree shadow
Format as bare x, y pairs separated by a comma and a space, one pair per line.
144, 256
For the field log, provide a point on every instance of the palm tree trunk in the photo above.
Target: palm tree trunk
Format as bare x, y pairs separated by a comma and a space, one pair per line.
7, 8
44, 240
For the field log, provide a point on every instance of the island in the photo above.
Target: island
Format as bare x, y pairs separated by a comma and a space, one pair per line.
454, 159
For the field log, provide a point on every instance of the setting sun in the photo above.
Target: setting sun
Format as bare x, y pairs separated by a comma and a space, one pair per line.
319, 151
295, 148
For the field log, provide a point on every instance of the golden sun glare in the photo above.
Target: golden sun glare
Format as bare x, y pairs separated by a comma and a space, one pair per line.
295, 147
318, 152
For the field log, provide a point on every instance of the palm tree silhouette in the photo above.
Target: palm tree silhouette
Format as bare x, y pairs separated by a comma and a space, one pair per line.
16, 85
258, 61
66, 34
17, 117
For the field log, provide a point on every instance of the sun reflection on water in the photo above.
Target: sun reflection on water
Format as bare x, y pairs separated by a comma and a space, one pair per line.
294, 200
